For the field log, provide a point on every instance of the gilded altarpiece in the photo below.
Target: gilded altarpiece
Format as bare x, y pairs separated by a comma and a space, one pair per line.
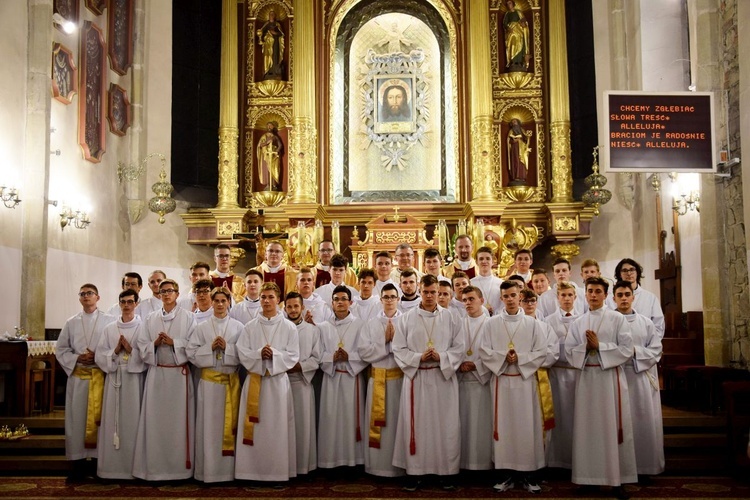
518, 101
266, 97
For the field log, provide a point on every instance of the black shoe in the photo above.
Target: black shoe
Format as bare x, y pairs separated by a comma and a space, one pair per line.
411, 484
620, 493
447, 485
645, 480
587, 489
530, 485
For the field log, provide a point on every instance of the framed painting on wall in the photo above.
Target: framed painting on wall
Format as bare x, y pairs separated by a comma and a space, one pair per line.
91, 102
64, 74
118, 111
120, 19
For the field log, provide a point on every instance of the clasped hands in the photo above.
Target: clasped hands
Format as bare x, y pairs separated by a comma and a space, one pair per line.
592, 341
163, 339
87, 358
219, 344
340, 355
123, 345
430, 355
266, 352
390, 331
511, 357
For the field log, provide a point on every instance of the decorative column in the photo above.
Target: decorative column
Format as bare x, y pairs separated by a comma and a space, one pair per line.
36, 168
303, 137
480, 83
228, 127
562, 166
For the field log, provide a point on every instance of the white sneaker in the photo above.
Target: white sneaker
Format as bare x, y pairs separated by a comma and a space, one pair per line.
506, 485
531, 486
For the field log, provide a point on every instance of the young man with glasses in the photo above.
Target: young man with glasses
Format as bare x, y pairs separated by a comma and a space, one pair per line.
117, 356
222, 275
203, 302
644, 302
383, 387
76, 348
428, 349
164, 448
275, 270
130, 281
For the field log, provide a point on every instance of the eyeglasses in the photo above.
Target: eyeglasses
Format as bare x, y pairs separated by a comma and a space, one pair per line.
87, 293
223, 256
325, 250
628, 270
202, 291
131, 283
529, 301
128, 302
167, 291
341, 299
389, 297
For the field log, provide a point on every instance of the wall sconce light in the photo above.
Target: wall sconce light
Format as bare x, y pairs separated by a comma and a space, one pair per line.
75, 218
9, 196
67, 26
687, 202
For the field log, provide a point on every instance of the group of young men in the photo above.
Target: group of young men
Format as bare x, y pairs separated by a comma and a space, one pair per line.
416, 375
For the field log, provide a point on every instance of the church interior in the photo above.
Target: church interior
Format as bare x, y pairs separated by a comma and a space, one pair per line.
153, 130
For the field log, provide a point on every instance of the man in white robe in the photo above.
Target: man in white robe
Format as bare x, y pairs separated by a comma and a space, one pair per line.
645, 302
301, 377
562, 378
474, 395
212, 351
198, 271
339, 265
383, 269
130, 281
266, 437
409, 291
486, 281
342, 403
599, 343
117, 356
249, 308
445, 293
202, 293
368, 305
513, 349
317, 312
433, 264
76, 347
643, 384
460, 281
383, 387
153, 303
166, 427
548, 301
428, 349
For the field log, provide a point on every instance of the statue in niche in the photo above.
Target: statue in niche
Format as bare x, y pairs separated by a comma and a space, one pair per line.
271, 40
269, 151
518, 153
516, 29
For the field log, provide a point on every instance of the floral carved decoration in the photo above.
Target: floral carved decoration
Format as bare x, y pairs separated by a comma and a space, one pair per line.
120, 18
118, 111
64, 74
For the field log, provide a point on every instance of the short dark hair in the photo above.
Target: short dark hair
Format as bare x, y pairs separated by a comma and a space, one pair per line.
596, 280
516, 277
637, 266
459, 274
321, 242
128, 293
486, 250
254, 272
172, 283
200, 264
221, 290
562, 260
508, 284
622, 284
445, 283
538, 270
366, 273
89, 285
222, 246
294, 295
527, 293
342, 289
383, 253
522, 251
428, 280
474, 289
338, 260
388, 287
204, 284
132, 274
407, 274
431, 252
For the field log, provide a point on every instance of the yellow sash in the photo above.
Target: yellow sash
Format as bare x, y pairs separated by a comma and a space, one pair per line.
377, 415
544, 389
252, 408
231, 383
94, 407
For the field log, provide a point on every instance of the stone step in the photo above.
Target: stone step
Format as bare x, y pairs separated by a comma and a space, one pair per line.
695, 441
39, 463
703, 463
35, 442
